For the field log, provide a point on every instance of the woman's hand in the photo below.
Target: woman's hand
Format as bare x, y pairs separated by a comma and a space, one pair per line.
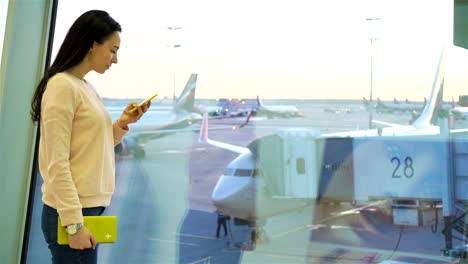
127, 118
83, 239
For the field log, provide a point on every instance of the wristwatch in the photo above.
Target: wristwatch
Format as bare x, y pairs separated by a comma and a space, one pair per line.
73, 228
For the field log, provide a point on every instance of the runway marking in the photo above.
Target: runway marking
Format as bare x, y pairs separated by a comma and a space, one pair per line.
336, 227
382, 252
174, 242
173, 151
361, 257
196, 236
203, 260
295, 229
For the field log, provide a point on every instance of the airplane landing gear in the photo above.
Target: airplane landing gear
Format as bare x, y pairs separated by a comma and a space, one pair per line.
257, 235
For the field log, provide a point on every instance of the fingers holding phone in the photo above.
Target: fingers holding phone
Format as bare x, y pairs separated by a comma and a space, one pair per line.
133, 112
145, 104
138, 110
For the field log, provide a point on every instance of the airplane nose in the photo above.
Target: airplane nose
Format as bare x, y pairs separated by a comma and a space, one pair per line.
234, 194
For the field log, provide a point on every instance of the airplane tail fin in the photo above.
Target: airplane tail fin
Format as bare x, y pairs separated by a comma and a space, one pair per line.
259, 101
429, 116
365, 101
379, 103
187, 97
204, 129
203, 138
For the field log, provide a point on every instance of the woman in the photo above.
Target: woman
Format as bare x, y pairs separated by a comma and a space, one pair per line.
77, 137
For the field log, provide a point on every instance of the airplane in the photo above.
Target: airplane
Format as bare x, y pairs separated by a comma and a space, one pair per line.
337, 110
367, 104
397, 106
460, 112
255, 185
457, 111
425, 123
231, 107
407, 106
176, 118
280, 111
247, 107
211, 110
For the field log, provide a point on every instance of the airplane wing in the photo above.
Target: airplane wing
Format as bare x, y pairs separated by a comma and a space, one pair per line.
388, 124
144, 133
459, 130
204, 138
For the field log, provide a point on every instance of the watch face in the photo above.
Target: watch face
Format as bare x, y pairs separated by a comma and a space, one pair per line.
71, 229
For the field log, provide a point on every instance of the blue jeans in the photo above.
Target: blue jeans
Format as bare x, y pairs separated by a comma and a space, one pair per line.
63, 253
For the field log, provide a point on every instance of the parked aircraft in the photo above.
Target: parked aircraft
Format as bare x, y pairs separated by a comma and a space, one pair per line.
177, 118
263, 180
279, 111
248, 107
460, 112
211, 110
395, 106
233, 107
414, 108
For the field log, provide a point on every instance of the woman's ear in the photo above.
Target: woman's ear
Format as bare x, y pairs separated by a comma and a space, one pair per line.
93, 46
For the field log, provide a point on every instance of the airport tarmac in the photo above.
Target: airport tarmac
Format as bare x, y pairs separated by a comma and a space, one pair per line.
163, 203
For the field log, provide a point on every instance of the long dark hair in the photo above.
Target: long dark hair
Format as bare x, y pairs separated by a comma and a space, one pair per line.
92, 26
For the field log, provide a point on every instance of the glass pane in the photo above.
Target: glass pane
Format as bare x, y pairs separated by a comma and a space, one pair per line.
3, 16
282, 82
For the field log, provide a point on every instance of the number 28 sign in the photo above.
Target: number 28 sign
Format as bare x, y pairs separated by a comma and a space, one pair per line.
402, 168
399, 167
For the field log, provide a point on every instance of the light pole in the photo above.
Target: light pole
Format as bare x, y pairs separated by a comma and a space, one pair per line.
174, 46
372, 40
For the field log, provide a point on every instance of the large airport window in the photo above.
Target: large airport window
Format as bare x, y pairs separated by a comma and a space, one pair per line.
374, 88
3, 16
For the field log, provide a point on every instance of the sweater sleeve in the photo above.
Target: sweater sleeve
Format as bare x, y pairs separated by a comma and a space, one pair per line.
57, 113
119, 133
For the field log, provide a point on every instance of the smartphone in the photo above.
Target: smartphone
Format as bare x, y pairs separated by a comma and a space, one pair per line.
142, 103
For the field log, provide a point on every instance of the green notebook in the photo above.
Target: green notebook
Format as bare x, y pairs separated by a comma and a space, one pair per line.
104, 229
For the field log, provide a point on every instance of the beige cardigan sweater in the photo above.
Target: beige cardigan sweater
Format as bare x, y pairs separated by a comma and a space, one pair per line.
76, 148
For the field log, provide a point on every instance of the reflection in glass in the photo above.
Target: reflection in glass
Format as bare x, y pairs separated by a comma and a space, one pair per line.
326, 192
3, 16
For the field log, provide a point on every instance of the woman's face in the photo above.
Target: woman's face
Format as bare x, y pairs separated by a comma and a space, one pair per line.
102, 56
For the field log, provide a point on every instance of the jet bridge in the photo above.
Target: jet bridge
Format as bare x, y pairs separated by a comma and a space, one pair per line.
410, 167
287, 159
416, 173
424, 176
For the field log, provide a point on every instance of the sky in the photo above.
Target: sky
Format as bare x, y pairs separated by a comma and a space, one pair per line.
278, 49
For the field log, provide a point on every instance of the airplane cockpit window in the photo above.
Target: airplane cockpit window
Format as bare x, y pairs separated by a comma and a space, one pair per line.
329, 144
243, 172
